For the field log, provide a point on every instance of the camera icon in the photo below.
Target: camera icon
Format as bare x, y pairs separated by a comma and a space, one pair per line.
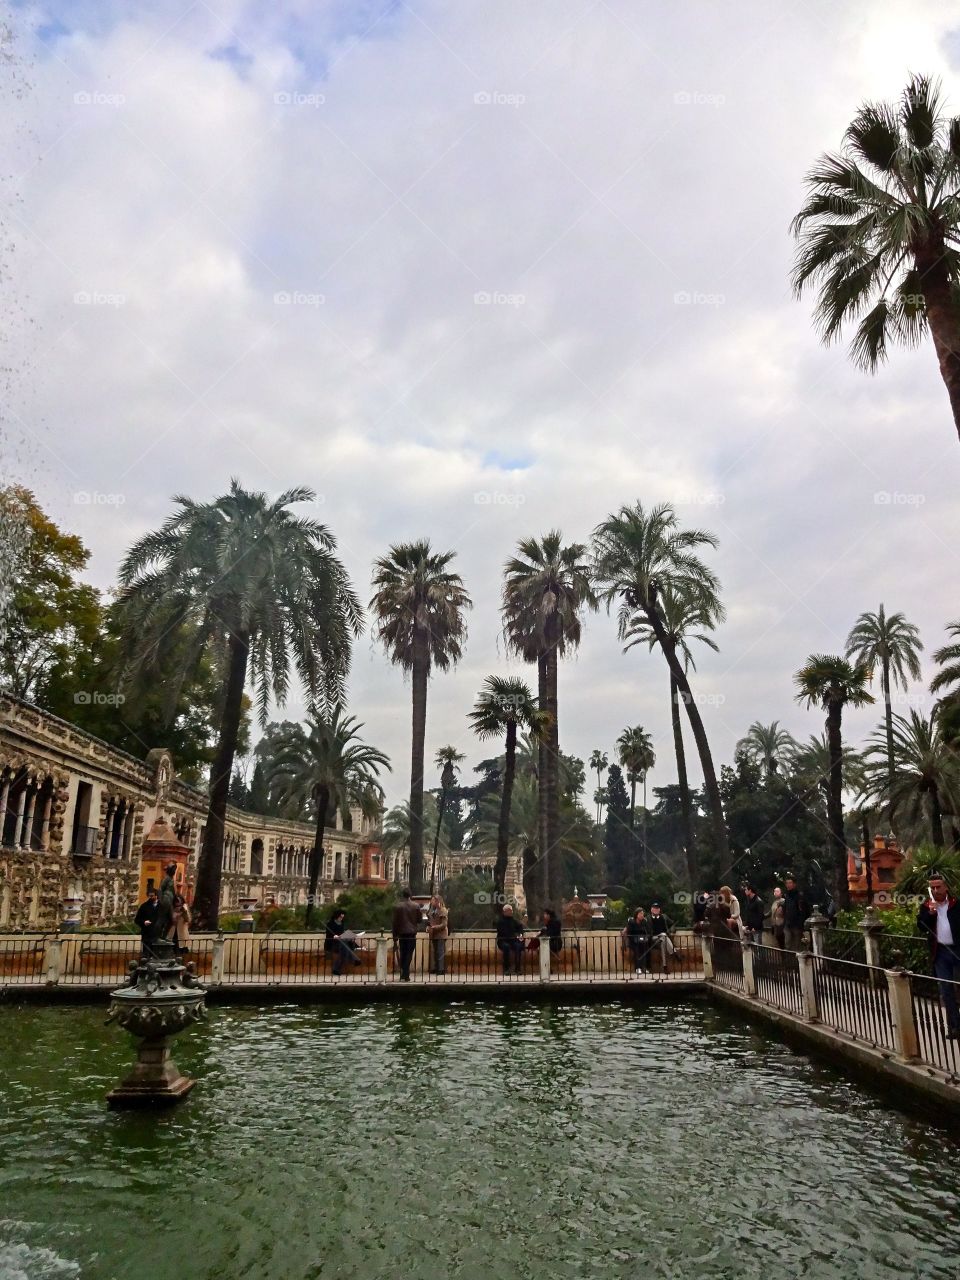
682, 299
482, 99
82, 699
281, 299
283, 99
481, 299
882, 499
683, 899
482, 899
83, 98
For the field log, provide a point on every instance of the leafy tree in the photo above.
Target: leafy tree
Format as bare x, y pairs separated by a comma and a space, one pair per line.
545, 592
833, 683
325, 769
687, 615
768, 746
419, 605
260, 587
617, 838
638, 555
925, 779
879, 230
893, 644
502, 707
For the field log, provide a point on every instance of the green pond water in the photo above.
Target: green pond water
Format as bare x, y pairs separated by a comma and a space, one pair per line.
463, 1140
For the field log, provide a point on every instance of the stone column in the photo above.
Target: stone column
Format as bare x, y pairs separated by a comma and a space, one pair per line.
382, 941
817, 924
872, 927
707, 957
216, 963
52, 958
749, 981
901, 1015
544, 959
4, 797
22, 818
808, 992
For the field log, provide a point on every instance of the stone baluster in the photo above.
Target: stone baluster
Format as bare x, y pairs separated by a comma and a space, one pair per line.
52, 957
216, 963
872, 927
707, 957
901, 1015
808, 991
817, 924
749, 979
544, 959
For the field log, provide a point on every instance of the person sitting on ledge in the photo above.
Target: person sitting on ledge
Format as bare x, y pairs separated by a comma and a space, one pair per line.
637, 934
661, 932
552, 929
939, 920
510, 940
334, 944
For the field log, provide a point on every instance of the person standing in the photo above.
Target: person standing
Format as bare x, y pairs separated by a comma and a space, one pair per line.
179, 933
753, 914
775, 913
406, 923
438, 930
553, 930
794, 914
939, 920
144, 918
510, 940
638, 938
733, 903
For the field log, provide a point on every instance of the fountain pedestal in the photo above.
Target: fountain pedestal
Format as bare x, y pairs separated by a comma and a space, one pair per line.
161, 1001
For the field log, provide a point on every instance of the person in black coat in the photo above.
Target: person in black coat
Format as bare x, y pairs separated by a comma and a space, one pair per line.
794, 914
146, 914
752, 913
639, 940
552, 929
334, 944
938, 920
510, 940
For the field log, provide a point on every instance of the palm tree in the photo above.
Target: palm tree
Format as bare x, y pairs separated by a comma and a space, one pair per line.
833, 683
948, 660
879, 232
397, 825
503, 706
419, 606
599, 762
639, 555
546, 589
768, 746
326, 769
636, 754
686, 617
261, 588
893, 644
926, 779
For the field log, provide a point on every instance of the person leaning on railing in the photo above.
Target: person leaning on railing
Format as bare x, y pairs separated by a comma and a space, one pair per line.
753, 913
939, 921
552, 929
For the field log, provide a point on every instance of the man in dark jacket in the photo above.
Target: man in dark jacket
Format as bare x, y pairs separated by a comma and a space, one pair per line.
661, 931
938, 920
146, 913
406, 922
753, 913
510, 939
794, 914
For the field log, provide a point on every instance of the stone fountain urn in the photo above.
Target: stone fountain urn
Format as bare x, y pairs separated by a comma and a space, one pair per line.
163, 999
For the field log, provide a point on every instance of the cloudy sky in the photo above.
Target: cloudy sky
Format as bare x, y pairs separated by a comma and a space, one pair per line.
473, 271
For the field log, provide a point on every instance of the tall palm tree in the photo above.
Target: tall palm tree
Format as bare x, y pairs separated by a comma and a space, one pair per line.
326, 769
260, 587
948, 660
638, 555
503, 706
636, 754
419, 607
926, 780
768, 746
598, 762
687, 616
880, 228
833, 683
893, 644
397, 825
545, 592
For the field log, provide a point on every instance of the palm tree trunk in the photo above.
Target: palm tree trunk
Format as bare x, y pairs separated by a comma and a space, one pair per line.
686, 806
551, 870
633, 797
835, 806
503, 827
888, 709
711, 786
941, 310
206, 894
538, 877
419, 675
936, 819
316, 853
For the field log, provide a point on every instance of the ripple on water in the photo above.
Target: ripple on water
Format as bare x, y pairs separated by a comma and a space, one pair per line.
464, 1141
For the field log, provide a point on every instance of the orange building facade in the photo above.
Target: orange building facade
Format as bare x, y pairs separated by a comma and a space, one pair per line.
879, 865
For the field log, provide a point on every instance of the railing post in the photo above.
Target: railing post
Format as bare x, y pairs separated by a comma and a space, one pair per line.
749, 981
901, 1015
381, 960
808, 991
216, 962
872, 927
52, 957
707, 957
544, 959
817, 923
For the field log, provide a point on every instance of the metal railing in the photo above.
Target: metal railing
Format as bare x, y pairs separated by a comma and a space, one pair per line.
23, 959
931, 1023
776, 976
844, 944
727, 954
854, 1000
